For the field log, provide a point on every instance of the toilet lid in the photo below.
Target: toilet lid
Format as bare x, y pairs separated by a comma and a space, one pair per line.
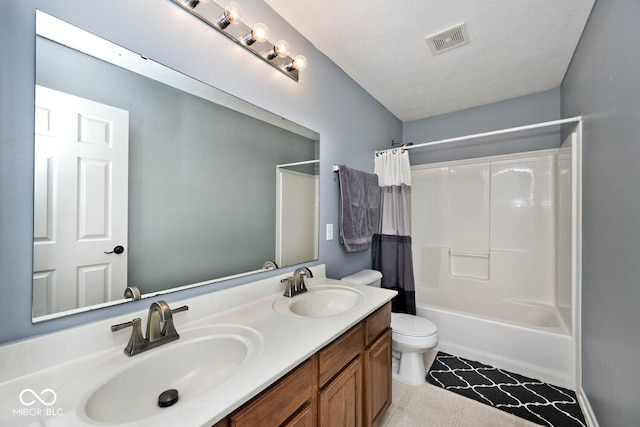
410, 325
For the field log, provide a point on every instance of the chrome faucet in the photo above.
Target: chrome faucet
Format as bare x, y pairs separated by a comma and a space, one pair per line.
295, 284
160, 329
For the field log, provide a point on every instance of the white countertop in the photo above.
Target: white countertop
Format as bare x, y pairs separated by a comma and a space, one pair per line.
75, 362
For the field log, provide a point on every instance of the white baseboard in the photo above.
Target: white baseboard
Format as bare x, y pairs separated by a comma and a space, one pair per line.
587, 410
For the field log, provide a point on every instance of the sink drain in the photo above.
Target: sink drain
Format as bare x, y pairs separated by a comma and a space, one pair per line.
168, 398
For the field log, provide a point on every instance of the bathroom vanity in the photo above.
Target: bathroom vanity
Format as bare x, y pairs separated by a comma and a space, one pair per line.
246, 356
349, 381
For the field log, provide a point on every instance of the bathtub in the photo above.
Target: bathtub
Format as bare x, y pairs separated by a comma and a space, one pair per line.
528, 339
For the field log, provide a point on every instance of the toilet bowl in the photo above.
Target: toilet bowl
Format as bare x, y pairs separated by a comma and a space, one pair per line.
411, 336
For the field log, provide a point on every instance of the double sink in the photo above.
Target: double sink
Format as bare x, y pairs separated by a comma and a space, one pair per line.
203, 359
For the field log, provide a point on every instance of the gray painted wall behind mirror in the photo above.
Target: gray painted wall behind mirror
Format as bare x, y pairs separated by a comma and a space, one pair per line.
202, 177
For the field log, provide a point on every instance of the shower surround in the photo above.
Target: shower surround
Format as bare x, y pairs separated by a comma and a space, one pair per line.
492, 259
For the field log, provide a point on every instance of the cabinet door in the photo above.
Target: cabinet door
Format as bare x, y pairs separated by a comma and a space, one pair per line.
341, 400
377, 383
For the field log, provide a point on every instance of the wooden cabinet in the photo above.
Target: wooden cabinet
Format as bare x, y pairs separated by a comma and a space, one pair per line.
365, 348
287, 399
222, 423
337, 355
304, 418
377, 365
340, 391
377, 323
347, 383
340, 402
377, 382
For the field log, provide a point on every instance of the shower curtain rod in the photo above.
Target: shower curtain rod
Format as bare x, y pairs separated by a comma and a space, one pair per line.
484, 134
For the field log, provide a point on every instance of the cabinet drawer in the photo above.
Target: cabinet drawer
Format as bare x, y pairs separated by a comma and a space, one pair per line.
338, 354
279, 402
377, 323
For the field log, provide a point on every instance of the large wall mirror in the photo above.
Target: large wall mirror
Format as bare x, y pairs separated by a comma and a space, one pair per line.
146, 177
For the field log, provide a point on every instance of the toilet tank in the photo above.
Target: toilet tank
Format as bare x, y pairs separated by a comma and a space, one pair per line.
365, 277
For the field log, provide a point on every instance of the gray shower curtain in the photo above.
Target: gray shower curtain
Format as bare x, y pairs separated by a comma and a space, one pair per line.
391, 248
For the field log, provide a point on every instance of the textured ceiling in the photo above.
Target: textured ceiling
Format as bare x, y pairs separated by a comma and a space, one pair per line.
517, 47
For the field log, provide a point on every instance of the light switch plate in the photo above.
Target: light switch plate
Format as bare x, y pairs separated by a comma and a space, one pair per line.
329, 231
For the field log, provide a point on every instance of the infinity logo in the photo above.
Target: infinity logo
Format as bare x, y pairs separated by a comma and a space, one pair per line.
38, 397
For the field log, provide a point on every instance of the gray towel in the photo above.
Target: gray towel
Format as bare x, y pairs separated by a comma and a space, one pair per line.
359, 208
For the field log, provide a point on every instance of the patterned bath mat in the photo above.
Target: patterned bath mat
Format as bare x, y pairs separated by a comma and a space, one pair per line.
533, 400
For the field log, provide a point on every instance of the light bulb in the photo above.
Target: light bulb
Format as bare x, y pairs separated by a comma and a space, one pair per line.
281, 48
233, 12
259, 33
232, 15
299, 62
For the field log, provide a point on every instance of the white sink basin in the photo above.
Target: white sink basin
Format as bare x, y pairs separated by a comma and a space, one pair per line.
202, 359
319, 301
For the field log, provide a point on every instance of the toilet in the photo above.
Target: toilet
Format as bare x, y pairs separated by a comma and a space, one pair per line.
412, 336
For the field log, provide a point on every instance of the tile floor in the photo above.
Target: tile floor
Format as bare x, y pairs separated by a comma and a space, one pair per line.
427, 405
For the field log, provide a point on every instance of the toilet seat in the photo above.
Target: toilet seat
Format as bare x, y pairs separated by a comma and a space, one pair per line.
410, 325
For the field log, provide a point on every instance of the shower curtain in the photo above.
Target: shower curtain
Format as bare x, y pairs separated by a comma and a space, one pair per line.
391, 248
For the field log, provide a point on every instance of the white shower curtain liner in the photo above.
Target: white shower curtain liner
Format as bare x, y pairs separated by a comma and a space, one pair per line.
392, 167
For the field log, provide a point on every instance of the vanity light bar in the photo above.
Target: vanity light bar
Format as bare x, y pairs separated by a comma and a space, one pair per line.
228, 21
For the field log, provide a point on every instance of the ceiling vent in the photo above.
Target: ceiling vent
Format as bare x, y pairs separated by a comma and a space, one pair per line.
448, 39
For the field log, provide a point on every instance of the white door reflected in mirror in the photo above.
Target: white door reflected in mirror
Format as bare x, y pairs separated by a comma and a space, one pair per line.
80, 202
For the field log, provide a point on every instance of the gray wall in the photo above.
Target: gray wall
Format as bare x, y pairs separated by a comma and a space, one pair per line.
603, 84
524, 110
202, 182
350, 123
